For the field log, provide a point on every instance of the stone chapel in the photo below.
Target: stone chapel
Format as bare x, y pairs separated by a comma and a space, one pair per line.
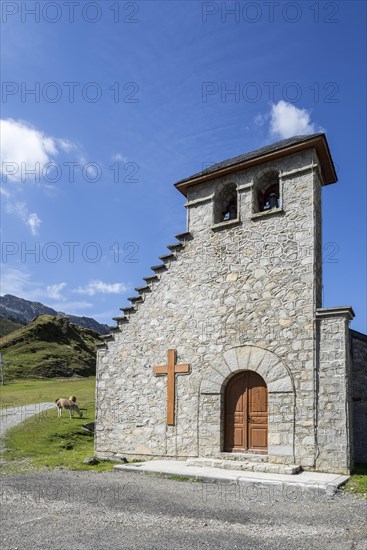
226, 351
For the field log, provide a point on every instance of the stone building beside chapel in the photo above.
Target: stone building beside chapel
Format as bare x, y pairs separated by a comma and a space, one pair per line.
227, 350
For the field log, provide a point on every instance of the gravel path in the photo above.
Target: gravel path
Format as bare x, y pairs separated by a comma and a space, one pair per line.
11, 416
110, 510
113, 510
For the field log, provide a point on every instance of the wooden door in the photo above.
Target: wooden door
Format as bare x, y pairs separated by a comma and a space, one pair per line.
246, 413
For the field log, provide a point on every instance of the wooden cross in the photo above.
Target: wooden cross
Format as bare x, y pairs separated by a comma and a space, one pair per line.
171, 369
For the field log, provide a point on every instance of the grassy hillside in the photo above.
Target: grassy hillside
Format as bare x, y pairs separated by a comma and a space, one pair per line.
49, 347
7, 326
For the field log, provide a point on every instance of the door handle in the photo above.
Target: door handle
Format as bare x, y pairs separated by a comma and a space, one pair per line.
249, 418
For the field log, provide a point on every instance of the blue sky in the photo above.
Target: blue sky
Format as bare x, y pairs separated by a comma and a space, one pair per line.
130, 97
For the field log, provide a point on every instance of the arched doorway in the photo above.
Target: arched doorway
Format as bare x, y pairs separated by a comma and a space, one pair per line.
246, 413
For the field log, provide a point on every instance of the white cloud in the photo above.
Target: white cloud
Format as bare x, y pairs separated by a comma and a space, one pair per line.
32, 220
118, 156
66, 145
54, 291
95, 287
23, 148
21, 143
16, 281
260, 119
19, 282
4, 192
288, 121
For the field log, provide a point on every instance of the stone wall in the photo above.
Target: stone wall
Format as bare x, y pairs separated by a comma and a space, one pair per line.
254, 282
359, 395
333, 411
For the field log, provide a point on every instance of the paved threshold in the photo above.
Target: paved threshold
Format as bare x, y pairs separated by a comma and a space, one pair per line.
304, 481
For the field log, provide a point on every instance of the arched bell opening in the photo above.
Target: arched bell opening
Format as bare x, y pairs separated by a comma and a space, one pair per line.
267, 192
225, 204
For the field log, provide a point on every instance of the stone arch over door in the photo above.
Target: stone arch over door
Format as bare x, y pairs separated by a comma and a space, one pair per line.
281, 396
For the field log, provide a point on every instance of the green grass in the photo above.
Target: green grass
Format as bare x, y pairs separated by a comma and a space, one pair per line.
180, 478
175, 477
357, 484
44, 440
26, 391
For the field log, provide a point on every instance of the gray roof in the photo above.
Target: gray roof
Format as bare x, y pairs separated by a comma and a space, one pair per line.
253, 154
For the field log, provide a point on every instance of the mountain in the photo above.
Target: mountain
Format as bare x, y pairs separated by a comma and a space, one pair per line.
22, 311
50, 346
7, 326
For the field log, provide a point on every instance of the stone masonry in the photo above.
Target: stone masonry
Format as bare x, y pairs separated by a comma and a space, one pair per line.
359, 395
243, 294
333, 388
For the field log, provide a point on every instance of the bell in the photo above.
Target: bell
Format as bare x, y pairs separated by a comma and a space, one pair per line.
273, 201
